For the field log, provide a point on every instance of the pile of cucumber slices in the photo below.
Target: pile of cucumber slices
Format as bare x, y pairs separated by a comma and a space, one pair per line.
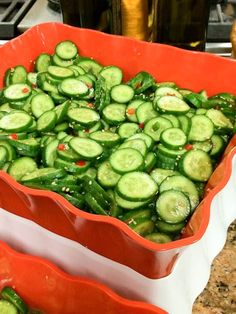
140, 151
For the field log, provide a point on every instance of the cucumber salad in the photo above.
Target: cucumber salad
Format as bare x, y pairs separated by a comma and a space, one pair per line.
141, 151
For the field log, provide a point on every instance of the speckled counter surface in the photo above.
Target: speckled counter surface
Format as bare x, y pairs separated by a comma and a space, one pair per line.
219, 297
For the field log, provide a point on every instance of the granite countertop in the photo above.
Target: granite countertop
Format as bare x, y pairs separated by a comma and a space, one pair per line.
219, 297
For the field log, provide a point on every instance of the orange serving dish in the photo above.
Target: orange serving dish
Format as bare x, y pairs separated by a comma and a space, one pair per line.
106, 235
45, 287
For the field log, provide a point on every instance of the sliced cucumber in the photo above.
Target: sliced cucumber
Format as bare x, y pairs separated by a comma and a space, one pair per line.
122, 93
86, 148
136, 186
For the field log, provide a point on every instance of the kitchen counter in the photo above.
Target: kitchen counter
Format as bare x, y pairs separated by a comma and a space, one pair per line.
219, 297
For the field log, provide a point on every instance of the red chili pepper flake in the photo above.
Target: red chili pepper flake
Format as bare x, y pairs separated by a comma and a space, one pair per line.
90, 105
86, 131
141, 125
88, 85
61, 147
131, 111
188, 147
80, 163
13, 136
25, 90
34, 85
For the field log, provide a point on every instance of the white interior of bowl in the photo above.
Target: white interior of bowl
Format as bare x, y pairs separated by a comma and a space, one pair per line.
175, 293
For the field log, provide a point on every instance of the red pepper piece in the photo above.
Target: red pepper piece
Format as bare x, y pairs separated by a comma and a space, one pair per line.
90, 105
88, 85
141, 125
61, 147
131, 111
13, 136
34, 85
188, 147
80, 163
25, 90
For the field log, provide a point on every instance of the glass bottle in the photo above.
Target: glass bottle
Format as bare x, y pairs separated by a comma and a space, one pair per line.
182, 23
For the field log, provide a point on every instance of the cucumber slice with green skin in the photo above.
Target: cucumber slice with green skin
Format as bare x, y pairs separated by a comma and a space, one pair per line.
75, 168
129, 205
172, 104
159, 174
195, 100
17, 92
6, 79
46, 121
77, 70
158, 237
66, 50
90, 172
93, 205
21, 166
183, 184
5, 108
92, 186
122, 93
145, 112
105, 138
57, 98
137, 144
128, 129
57, 61
87, 80
174, 120
221, 123
201, 111
115, 210
42, 62
201, 129
86, 148
15, 121
112, 75
126, 160
73, 88
168, 228
196, 165
185, 123
77, 199
149, 162
218, 146
41, 103
206, 146
106, 176
11, 151
131, 216
43, 174
7, 307
142, 226
59, 72
84, 116
55, 187
67, 154
18, 75
136, 186
61, 111
146, 138
173, 206
28, 147
168, 91
173, 138
142, 82
3, 156
114, 113
156, 126
50, 153
166, 162
64, 126
132, 108
89, 66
